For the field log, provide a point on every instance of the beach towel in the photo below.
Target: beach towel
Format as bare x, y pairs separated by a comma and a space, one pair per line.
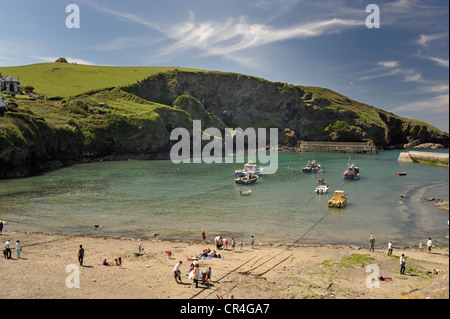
207, 257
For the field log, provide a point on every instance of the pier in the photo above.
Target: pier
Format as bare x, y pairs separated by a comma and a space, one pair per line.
339, 147
424, 158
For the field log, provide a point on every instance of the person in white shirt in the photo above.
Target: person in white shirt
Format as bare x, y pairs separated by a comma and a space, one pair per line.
219, 242
390, 248
18, 248
8, 249
402, 264
177, 272
429, 245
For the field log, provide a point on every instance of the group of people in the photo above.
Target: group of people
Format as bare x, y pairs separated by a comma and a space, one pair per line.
402, 257
194, 273
7, 251
222, 243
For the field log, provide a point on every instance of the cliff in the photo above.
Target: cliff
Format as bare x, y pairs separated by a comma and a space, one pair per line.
42, 134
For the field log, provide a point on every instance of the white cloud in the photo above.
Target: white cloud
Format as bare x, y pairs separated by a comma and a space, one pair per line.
437, 104
441, 62
424, 39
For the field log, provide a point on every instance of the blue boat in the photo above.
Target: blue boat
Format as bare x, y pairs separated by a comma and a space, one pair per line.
311, 167
249, 167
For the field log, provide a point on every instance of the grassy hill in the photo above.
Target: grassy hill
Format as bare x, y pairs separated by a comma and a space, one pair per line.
67, 79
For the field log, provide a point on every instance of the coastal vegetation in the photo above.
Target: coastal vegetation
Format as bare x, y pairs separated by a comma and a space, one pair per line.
81, 113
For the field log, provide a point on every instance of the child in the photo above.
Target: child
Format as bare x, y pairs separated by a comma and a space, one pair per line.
233, 243
169, 254
241, 244
252, 241
390, 248
225, 243
119, 262
208, 274
420, 247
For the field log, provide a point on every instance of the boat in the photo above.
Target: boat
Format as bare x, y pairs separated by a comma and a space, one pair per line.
321, 189
248, 167
352, 172
247, 192
321, 182
248, 178
311, 167
400, 174
339, 199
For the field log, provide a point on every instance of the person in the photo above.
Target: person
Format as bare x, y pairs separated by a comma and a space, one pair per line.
196, 274
390, 248
116, 262
241, 244
119, 262
140, 248
8, 249
429, 245
208, 274
371, 243
105, 262
80, 255
402, 264
169, 254
219, 242
177, 272
420, 247
204, 236
252, 241
233, 243
1, 227
225, 243
18, 248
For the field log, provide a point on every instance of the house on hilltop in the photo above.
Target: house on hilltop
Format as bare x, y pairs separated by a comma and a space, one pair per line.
9, 84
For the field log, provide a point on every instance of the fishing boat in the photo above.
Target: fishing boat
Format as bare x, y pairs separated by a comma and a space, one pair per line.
321, 189
352, 172
311, 167
248, 178
247, 192
401, 174
248, 167
339, 199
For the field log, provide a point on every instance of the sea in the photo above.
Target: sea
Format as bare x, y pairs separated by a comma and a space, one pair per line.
177, 201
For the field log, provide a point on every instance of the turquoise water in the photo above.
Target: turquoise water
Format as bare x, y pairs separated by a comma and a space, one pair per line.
139, 198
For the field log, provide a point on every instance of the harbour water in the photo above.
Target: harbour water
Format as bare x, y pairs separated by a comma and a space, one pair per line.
139, 198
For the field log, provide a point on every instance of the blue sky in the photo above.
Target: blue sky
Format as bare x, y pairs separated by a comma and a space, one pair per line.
401, 67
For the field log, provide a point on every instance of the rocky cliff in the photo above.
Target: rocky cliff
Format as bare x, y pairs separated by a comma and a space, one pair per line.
311, 113
38, 135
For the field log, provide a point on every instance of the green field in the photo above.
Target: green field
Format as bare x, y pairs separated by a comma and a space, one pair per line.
66, 79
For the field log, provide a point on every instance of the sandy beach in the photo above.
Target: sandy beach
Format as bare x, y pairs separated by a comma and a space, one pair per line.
48, 265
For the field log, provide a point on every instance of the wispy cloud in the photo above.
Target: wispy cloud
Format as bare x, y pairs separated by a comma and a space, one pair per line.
392, 68
424, 39
436, 104
441, 62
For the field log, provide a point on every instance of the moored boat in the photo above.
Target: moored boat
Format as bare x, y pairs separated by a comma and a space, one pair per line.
352, 172
401, 174
248, 178
321, 189
339, 199
311, 167
247, 192
248, 167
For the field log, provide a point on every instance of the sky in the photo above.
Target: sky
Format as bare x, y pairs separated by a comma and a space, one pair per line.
401, 66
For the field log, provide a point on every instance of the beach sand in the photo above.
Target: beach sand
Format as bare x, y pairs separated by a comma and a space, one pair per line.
265, 272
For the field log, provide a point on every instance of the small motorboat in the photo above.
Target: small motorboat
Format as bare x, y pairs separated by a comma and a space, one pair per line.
311, 167
248, 178
400, 174
248, 167
352, 172
339, 199
248, 192
321, 189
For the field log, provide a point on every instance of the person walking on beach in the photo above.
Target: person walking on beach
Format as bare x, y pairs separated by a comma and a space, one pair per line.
1, 227
80, 255
8, 249
196, 274
177, 272
402, 264
252, 241
371, 243
233, 243
18, 248
429, 244
390, 248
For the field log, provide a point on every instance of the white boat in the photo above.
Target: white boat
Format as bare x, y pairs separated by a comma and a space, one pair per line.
248, 167
247, 192
352, 172
321, 189
248, 178
311, 167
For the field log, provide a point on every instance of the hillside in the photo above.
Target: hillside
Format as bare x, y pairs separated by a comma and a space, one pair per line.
144, 104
